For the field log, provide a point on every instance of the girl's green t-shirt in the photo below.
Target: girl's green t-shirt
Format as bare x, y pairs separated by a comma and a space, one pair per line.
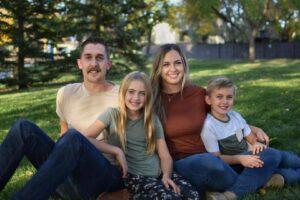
139, 162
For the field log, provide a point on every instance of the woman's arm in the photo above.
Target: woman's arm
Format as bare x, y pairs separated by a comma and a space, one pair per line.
260, 134
166, 163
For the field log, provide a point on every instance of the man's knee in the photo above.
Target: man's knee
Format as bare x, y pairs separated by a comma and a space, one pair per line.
22, 127
71, 136
21, 123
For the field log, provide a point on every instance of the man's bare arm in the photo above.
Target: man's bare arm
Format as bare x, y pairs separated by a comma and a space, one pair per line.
63, 127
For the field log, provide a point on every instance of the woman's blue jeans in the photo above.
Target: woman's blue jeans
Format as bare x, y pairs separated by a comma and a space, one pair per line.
72, 166
208, 172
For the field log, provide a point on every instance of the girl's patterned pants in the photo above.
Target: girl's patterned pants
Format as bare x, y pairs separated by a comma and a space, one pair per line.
145, 187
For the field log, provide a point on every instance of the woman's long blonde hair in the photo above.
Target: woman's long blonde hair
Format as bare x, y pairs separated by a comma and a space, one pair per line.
148, 110
156, 79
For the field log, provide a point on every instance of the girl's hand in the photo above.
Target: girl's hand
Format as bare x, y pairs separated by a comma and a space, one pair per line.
122, 162
169, 183
251, 161
258, 147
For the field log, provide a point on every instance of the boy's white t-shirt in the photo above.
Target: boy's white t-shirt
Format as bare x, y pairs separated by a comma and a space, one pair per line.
214, 130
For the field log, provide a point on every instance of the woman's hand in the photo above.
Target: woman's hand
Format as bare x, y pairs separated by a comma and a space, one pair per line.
261, 135
169, 183
251, 161
122, 162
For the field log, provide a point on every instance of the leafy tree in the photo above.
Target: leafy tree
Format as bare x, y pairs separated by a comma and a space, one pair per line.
285, 18
155, 12
123, 23
247, 17
32, 25
242, 19
28, 25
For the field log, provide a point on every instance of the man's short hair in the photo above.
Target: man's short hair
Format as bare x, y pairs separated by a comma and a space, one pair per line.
94, 40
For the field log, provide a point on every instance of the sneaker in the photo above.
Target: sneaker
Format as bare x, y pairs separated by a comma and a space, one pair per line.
276, 180
220, 196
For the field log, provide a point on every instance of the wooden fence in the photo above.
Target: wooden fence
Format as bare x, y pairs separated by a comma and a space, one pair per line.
238, 50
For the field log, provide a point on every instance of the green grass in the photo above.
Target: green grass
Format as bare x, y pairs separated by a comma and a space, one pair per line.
268, 97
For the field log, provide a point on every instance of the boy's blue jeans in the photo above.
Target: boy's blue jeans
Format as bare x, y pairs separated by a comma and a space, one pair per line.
208, 172
289, 167
72, 166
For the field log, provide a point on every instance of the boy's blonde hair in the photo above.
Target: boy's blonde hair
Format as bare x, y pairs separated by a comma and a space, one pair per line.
156, 79
220, 82
148, 110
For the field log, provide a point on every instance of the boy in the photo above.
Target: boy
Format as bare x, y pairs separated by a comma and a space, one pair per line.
225, 132
227, 135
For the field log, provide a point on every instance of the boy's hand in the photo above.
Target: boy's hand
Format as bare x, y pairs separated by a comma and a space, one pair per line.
258, 147
251, 161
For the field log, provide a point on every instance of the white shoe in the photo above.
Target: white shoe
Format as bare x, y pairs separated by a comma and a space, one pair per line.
276, 180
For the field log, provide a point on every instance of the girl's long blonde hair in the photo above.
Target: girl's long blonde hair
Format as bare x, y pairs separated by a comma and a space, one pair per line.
156, 79
147, 110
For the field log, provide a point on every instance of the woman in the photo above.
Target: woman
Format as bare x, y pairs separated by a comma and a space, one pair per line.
182, 110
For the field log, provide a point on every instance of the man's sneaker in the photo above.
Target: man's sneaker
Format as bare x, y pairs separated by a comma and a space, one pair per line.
220, 196
276, 180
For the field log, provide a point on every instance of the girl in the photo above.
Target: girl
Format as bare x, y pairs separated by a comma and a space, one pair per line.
136, 138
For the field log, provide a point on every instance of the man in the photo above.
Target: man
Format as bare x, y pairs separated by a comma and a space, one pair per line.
79, 104
72, 166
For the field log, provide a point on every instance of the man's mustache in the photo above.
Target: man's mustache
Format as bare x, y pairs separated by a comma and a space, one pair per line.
97, 69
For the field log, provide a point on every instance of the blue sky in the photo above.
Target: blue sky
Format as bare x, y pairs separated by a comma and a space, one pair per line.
174, 1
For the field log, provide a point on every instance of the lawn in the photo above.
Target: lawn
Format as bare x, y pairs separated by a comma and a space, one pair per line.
268, 96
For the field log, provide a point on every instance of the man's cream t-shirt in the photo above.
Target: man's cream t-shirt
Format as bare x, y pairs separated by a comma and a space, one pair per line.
80, 108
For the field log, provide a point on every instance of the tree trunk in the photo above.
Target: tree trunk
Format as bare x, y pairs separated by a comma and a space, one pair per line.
251, 40
22, 78
149, 41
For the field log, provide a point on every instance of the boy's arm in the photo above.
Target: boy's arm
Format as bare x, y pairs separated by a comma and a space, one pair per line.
251, 138
251, 161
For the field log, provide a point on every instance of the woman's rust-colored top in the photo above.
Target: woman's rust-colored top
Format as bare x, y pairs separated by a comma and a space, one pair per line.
185, 115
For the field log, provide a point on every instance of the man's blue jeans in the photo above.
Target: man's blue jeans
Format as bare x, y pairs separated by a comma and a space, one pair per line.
72, 166
208, 172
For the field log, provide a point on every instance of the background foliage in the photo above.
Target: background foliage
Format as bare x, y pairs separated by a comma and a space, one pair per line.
30, 29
